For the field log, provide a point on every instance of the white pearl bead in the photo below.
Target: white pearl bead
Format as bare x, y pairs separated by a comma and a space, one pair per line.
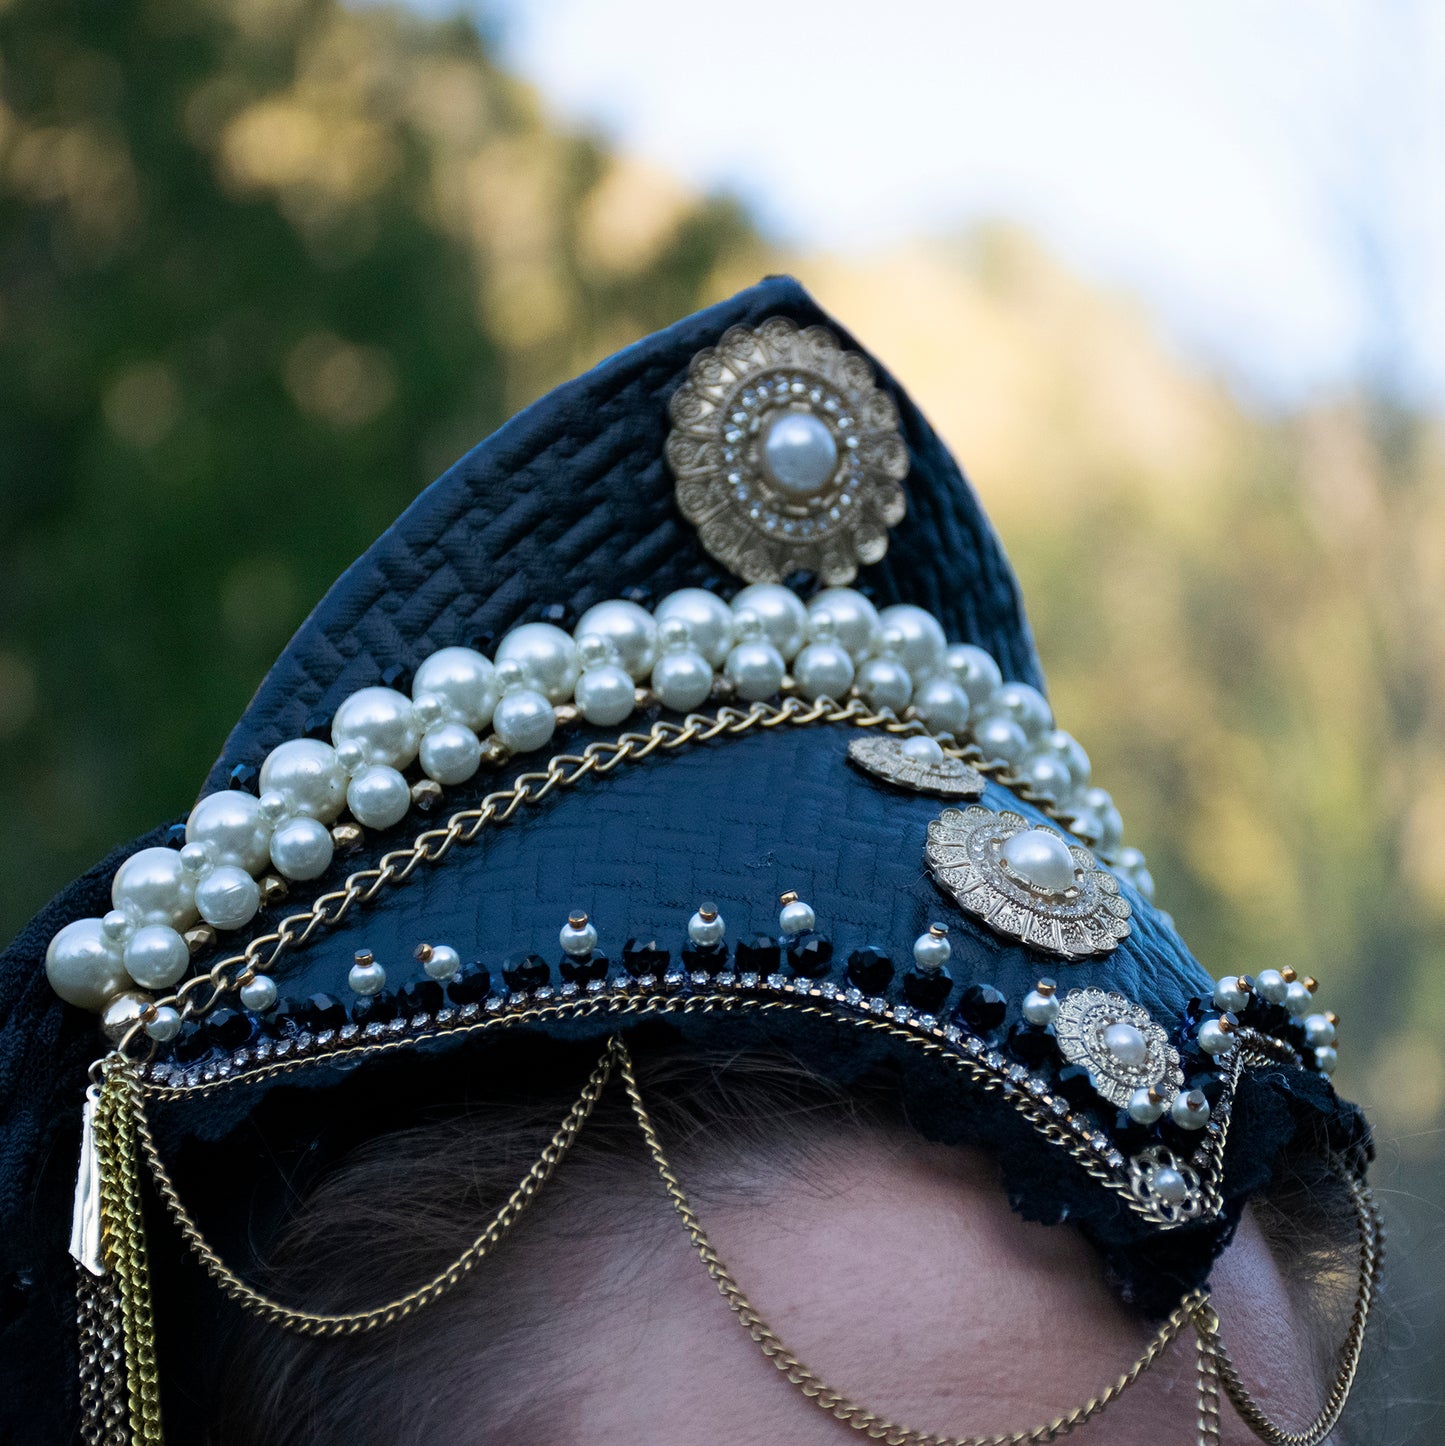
1326, 1058
1129, 865
1000, 739
464, 681
383, 722
1214, 1039
1046, 775
706, 931
451, 753
799, 453
122, 1013
1041, 1008
796, 917
272, 806
1070, 752
885, 683
1297, 999
920, 643
975, 672
427, 709
156, 956
153, 887
1111, 825
1126, 1044
823, 670
682, 680
84, 965
1269, 984
672, 635
230, 824
1318, 1031
258, 993
1228, 996
308, 775
165, 1025
524, 720
605, 695
197, 858
931, 951
855, 620
922, 749
442, 962
593, 651
578, 940
755, 670
1169, 1185
378, 796
350, 755
547, 657
301, 848
629, 628
1026, 706
781, 612
366, 978
1144, 1109
1190, 1110
117, 926
942, 704
748, 627
1040, 858
709, 621
228, 897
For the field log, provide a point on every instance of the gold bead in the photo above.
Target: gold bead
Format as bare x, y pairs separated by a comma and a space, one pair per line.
423, 952
567, 714
1288, 974
494, 752
200, 938
1046, 987
426, 793
789, 898
346, 836
577, 920
273, 890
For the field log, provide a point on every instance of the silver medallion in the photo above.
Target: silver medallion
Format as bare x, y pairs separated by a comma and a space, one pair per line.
916, 763
1170, 1191
1118, 1043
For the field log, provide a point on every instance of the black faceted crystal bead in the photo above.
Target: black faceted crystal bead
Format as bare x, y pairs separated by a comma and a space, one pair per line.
982, 1008
1073, 1082
398, 677
374, 1008
704, 958
231, 1028
244, 776
469, 985
810, 955
1196, 1012
286, 1019
583, 970
323, 1011
927, 989
191, 1044
641, 957
870, 970
1029, 1044
525, 971
423, 996
757, 954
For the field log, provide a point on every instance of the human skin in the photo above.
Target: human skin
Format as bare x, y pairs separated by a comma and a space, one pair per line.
900, 1276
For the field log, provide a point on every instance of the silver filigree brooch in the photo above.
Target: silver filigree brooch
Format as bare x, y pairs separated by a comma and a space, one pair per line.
787, 456
1118, 1043
1027, 882
916, 763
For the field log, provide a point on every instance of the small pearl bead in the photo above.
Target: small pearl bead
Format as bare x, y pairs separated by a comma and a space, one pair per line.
1297, 999
682, 680
975, 672
301, 849
165, 1025
1326, 1058
1126, 1044
1144, 1109
272, 806
798, 453
1229, 996
578, 940
442, 962
1026, 706
1047, 775
84, 965
427, 709
821, 628
524, 720
781, 612
1318, 1031
153, 887
117, 926
855, 619
823, 670
703, 930
383, 722
1169, 1185
629, 628
547, 657
366, 977
941, 704
378, 796
156, 956
1190, 1110
1269, 984
755, 670
931, 951
885, 683
1000, 739
122, 1013
593, 651
673, 634
748, 627
464, 681
922, 749
1129, 865
231, 826
228, 897
1070, 752
450, 754
605, 695
796, 917
1214, 1039
196, 859
920, 643
1041, 1008
351, 756
309, 777
709, 621
258, 993
1111, 825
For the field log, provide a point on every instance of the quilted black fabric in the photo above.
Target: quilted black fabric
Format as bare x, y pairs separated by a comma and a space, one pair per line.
570, 503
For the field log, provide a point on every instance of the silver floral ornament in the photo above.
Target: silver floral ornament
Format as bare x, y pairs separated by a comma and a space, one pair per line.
787, 455
1118, 1043
1169, 1190
916, 763
1027, 882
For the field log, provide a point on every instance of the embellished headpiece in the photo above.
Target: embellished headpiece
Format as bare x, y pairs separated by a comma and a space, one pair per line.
599, 737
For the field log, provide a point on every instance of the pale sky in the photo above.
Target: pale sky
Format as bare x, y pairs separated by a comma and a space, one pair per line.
1269, 175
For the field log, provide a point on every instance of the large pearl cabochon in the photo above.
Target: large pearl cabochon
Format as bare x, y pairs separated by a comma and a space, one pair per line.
799, 453
1040, 858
